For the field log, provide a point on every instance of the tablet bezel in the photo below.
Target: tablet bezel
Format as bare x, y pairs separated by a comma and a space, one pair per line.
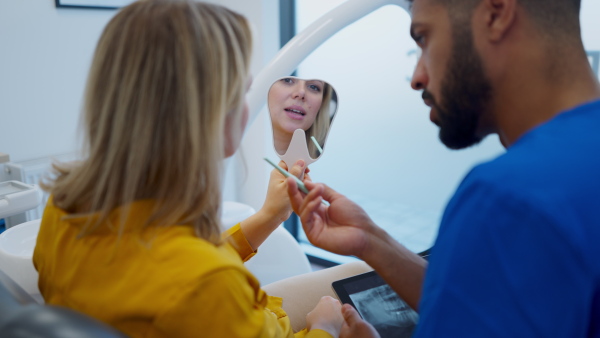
344, 296
341, 292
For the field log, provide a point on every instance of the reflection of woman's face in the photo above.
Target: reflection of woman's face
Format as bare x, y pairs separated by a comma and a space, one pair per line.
294, 103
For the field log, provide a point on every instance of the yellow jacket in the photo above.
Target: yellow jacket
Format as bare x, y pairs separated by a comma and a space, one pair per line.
157, 282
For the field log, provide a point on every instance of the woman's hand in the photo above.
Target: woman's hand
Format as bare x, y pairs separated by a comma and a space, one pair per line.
276, 209
326, 316
277, 203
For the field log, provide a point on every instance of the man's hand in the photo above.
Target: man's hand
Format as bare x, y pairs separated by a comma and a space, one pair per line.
343, 227
354, 326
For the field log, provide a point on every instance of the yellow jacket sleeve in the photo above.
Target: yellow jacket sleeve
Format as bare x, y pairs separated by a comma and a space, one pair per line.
223, 304
238, 241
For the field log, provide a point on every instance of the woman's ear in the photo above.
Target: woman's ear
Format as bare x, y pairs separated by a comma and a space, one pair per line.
500, 16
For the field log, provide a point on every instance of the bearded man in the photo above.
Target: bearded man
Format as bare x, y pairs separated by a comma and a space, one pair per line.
517, 253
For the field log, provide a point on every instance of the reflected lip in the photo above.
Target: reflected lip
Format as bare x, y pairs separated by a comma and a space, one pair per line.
295, 109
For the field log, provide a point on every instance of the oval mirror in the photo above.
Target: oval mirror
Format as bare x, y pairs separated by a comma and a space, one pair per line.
308, 105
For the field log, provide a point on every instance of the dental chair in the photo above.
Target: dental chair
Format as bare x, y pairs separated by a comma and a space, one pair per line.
21, 316
16, 251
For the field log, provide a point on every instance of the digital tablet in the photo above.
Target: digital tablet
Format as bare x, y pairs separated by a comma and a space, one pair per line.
378, 304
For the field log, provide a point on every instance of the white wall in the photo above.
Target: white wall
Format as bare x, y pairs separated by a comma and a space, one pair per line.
43, 65
44, 59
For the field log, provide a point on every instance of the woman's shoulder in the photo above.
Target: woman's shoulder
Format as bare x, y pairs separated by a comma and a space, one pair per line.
170, 249
173, 250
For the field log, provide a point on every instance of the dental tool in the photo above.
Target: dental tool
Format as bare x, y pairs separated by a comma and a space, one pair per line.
317, 144
300, 184
285, 173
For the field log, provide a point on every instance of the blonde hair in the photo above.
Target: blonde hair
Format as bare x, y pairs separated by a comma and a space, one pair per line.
320, 126
165, 74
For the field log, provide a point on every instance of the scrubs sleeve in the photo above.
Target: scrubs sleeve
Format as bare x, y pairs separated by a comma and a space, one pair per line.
502, 267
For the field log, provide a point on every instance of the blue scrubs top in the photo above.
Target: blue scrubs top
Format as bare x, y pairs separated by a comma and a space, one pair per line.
518, 250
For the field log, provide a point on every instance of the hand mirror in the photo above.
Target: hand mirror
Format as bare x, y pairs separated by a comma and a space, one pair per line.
302, 112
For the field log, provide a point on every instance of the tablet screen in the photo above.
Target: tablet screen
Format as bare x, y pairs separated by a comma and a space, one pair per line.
378, 304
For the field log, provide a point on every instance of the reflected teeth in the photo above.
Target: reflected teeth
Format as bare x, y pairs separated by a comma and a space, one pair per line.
295, 111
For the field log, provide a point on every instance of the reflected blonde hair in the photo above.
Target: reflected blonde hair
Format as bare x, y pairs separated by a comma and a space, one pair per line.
165, 74
320, 127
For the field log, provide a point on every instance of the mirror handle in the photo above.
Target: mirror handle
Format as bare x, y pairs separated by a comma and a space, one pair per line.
298, 150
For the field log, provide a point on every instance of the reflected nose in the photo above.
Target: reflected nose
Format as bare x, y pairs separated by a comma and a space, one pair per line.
420, 79
299, 91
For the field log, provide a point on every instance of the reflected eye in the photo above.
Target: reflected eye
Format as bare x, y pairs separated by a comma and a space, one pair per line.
314, 88
287, 80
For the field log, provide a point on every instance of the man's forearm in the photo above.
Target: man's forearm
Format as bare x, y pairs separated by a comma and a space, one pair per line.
402, 269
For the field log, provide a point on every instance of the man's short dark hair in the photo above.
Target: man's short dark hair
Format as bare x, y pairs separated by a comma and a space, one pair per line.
555, 18
559, 17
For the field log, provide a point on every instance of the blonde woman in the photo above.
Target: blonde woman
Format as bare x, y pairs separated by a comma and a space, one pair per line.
131, 234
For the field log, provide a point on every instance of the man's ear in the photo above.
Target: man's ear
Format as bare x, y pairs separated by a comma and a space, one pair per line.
500, 16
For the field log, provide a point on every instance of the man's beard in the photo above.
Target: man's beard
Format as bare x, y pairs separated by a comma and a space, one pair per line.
465, 93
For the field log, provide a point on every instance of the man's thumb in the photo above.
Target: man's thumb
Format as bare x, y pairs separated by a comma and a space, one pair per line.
350, 314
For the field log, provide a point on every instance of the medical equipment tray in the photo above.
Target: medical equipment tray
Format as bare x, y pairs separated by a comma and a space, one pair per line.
17, 197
